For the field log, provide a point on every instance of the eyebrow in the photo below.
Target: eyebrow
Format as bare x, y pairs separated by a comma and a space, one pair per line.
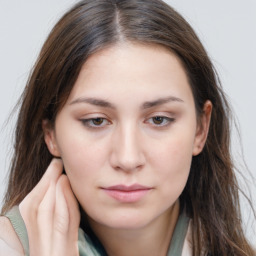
105, 104
94, 101
160, 101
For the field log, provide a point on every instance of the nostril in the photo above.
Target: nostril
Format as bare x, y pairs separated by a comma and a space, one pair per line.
127, 154
127, 164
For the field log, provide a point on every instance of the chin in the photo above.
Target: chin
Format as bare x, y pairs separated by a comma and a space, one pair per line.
126, 219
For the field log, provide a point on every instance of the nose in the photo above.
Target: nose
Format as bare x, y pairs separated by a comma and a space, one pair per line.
127, 154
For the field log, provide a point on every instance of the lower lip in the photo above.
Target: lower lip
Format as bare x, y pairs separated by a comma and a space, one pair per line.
127, 196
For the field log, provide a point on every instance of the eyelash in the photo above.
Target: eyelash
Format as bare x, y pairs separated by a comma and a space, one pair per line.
89, 122
167, 121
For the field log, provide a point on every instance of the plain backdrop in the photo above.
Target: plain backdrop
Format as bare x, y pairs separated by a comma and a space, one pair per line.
226, 28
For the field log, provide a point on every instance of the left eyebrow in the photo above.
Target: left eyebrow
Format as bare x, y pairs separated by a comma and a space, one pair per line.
160, 101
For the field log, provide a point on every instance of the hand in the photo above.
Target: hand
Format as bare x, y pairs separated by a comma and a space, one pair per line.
51, 215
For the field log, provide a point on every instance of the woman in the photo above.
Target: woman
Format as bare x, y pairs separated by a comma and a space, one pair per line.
125, 96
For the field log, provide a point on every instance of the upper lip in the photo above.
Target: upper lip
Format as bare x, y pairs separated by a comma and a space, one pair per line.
122, 187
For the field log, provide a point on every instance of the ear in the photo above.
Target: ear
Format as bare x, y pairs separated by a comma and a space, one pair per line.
50, 138
202, 128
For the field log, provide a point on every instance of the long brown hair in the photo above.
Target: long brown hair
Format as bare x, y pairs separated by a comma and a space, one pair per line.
211, 194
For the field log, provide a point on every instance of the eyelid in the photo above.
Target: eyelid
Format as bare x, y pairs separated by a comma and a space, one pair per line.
86, 122
167, 120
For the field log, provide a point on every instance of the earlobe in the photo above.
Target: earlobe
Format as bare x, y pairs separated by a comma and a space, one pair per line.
202, 128
50, 138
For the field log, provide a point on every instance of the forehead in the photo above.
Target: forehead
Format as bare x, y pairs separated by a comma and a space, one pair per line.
132, 69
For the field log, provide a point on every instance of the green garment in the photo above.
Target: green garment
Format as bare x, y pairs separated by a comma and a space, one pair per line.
85, 244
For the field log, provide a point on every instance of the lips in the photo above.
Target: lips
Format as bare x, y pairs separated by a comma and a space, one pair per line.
127, 188
127, 194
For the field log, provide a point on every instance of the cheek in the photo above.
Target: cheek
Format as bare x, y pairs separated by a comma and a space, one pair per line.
172, 165
83, 164
173, 153
82, 158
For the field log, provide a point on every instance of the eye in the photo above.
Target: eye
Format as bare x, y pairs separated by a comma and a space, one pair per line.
160, 120
97, 122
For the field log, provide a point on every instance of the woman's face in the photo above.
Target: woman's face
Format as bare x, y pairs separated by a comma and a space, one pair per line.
127, 134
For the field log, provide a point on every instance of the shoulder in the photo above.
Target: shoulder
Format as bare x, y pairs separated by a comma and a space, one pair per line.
9, 241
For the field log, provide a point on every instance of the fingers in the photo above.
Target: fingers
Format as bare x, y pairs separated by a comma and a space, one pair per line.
66, 218
44, 219
51, 214
61, 215
73, 208
37, 210
51, 175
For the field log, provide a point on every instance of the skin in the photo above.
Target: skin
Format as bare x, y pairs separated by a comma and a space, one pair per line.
50, 213
142, 129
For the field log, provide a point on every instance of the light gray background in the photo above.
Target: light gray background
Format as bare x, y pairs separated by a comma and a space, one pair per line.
226, 28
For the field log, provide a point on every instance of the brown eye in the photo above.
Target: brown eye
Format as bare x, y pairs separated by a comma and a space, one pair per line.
158, 120
97, 121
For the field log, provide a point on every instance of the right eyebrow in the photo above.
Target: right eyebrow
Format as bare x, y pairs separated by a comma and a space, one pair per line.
94, 101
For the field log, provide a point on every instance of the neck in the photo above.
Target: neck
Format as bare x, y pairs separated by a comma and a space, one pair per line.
152, 239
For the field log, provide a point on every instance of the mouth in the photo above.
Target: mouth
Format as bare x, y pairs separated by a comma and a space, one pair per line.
127, 194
